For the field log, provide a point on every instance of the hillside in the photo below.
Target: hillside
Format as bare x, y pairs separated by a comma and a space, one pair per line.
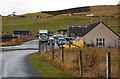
72, 10
52, 23
96, 10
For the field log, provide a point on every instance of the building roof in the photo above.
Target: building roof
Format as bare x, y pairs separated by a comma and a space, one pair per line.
64, 30
81, 30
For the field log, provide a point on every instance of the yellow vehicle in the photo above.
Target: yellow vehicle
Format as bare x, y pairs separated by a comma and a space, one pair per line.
75, 43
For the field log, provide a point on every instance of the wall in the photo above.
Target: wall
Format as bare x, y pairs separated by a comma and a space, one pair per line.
101, 31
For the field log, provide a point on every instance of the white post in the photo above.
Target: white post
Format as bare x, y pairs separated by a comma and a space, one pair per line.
108, 69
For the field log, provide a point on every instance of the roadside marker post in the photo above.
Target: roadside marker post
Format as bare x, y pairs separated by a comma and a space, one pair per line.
108, 67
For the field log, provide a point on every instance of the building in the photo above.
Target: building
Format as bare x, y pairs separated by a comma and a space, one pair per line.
97, 34
18, 33
11, 15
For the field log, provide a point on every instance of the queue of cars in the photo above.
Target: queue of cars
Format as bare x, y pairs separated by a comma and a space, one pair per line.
60, 40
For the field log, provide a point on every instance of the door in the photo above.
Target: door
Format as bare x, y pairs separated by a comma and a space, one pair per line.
100, 42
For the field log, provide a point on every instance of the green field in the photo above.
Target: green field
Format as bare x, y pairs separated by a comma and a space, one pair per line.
53, 23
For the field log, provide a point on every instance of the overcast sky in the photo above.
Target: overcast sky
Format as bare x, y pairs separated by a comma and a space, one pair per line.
32, 6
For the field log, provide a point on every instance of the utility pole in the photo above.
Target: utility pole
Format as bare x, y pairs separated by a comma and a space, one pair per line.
13, 13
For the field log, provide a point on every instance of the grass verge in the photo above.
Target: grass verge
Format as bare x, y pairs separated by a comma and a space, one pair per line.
45, 68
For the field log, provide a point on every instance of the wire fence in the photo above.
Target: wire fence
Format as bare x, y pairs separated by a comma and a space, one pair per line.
85, 62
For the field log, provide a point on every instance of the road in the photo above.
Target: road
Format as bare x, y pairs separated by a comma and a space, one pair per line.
16, 63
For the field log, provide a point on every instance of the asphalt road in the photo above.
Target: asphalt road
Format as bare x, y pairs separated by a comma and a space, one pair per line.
16, 63
0, 64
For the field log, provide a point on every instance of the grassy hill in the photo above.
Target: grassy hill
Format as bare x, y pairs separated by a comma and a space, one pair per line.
52, 23
72, 10
96, 10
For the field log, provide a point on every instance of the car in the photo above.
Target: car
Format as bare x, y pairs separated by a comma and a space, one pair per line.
43, 35
59, 36
61, 41
51, 39
74, 44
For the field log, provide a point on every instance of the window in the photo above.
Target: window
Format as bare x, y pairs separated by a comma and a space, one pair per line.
100, 42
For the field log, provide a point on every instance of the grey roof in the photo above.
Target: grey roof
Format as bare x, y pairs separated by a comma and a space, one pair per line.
81, 30
77, 25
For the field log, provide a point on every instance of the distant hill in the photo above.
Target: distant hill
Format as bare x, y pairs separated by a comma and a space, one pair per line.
54, 20
96, 10
99, 10
29, 15
72, 10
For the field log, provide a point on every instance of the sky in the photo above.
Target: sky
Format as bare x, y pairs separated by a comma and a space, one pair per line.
32, 6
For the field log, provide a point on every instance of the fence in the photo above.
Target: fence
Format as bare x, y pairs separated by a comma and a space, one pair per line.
86, 62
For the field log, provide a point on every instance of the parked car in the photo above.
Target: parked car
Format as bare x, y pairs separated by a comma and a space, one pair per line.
55, 36
61, 41
43, 35
51, 39
74, 44
59, 36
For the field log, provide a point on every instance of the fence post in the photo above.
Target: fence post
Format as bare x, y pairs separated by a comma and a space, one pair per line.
43, 43
80, 63
46, 46
39, 48
62, 54
119, 64
108, 67
52, 52
52, 49
50, 45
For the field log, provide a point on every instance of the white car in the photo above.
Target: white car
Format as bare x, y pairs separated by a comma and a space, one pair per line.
61, 41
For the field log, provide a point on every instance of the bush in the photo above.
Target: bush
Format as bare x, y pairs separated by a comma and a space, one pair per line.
90, 45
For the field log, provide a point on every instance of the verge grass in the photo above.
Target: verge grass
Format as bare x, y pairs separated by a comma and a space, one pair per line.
45, 68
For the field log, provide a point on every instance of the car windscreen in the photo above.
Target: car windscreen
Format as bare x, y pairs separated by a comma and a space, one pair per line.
61, 39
